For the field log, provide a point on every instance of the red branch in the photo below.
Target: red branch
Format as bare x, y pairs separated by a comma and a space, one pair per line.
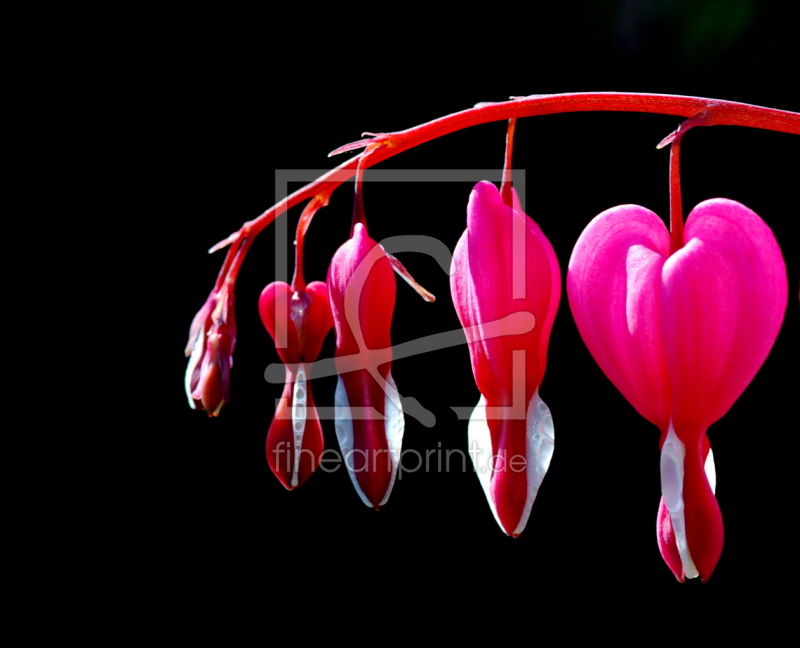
382, 146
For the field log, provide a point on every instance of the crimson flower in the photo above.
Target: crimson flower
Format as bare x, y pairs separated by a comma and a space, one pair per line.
680, 333
369, 415
298, 322
506, 286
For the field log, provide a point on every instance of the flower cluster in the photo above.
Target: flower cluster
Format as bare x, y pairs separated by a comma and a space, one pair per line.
679, 320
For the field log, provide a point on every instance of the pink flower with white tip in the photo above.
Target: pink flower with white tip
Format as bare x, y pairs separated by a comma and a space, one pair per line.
680, 332
506, 286
369, 413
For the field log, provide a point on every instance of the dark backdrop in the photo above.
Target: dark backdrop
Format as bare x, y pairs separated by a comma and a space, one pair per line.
224, 530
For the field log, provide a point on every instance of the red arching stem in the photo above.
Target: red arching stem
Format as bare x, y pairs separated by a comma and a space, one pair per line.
299, 281
675, 202
383, 146
358, 200
241, 253
233, 260
505, 185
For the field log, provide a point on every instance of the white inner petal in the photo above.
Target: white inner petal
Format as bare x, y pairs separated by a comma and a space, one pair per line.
711, 471
197, 354
343, 423
299, 397
394, 426
540, 446
672, 455
480, 451
539, 451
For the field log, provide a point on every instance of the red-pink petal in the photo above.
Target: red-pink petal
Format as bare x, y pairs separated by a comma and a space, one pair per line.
503, 264
274, 306
611, 285
281, 311
724, 295
319, 320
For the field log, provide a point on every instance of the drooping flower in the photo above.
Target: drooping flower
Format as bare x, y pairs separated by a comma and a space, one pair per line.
369, 414
680, 335
212, 338
298, 322
506, 286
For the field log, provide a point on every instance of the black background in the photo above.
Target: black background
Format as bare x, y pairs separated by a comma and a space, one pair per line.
236, 106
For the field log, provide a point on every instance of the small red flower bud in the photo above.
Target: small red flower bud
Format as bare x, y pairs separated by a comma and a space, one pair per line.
212, 338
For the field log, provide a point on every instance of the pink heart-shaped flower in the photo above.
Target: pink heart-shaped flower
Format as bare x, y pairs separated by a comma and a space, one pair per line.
680, 335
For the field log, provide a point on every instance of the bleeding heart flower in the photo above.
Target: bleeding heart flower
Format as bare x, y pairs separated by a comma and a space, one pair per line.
212, 338
369, 414
506, 287
681, 335
298, 322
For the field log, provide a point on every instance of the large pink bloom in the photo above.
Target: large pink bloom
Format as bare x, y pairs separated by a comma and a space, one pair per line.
506, 286
369, 415
680, 335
